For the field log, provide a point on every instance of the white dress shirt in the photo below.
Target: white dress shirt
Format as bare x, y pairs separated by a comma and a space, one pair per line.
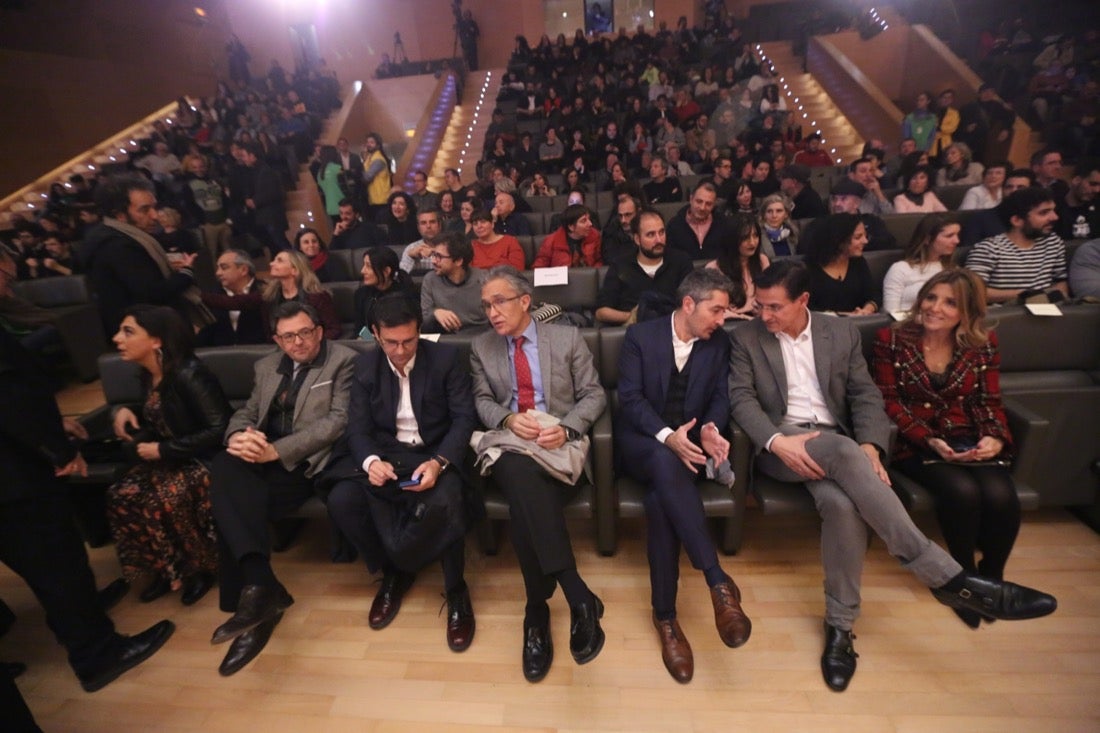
408, 432
805, 400
681, 352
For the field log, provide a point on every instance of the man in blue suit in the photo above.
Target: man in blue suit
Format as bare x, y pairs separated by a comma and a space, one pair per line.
401, 499
674, 407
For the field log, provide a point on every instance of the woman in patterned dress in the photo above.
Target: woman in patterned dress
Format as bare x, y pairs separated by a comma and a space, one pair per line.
939, 375
159, 512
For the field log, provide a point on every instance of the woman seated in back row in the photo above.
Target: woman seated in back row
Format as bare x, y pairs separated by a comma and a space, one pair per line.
840, 279
939, 375
292, 278
492, 248
918, 198
741, 263
931, 250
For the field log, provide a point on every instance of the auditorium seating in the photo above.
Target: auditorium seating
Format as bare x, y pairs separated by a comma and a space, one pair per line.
74, 315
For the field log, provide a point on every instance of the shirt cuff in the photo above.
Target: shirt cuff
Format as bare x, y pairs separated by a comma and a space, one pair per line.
768, 445
369, 460
663, 435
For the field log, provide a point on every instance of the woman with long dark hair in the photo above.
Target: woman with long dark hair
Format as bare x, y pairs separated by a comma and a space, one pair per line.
840, 279
939, 375
159, 511
381, 276
741, 263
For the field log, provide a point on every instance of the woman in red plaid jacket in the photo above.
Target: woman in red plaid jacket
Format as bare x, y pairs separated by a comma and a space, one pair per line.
939, 375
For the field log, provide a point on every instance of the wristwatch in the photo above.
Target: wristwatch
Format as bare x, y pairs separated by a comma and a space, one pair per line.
443, 462
571, 434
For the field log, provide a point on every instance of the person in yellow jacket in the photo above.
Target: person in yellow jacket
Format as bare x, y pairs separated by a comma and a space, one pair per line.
376, 175
949, 123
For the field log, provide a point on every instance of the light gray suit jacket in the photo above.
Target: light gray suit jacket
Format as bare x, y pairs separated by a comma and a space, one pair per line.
569, 379
320, 413
758, 381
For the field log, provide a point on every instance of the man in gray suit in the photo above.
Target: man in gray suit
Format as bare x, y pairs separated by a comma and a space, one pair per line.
800, 389
523, 373
275, 445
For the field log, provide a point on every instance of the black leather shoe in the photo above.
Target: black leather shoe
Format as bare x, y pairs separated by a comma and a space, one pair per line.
195, 587
112, 593
838, 661
586, 638
127, 653
247, 646
155, 590
460, 620
997, 599
970, 618
387, 602
11, 670
538, 650
258, 603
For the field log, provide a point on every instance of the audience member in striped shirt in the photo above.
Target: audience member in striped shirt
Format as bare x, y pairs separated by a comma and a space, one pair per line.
1029, 256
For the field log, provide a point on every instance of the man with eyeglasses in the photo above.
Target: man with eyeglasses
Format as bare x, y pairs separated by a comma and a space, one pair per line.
276, 445
450, 295
799, 387
537, 391
411, 417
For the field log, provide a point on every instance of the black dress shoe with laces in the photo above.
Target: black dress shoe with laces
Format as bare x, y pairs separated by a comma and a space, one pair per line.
127, 653
838, 661
586, 638
538, 650
258, 603
996, 599
247, 646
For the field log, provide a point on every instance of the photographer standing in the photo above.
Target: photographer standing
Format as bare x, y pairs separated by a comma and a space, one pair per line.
468, 32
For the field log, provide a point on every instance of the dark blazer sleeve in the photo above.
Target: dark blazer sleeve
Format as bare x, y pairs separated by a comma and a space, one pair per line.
371, 411
461, 413
201, 415
29, 417
142, 278
635, 407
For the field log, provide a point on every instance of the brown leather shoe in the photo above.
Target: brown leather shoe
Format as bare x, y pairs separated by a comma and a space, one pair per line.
675, 650
733, 625
387, 602
460, 619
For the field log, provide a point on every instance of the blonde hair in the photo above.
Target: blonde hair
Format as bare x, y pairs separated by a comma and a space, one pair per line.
969, 290
306, 279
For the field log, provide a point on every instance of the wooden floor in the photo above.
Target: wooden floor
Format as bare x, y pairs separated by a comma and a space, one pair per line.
920, 669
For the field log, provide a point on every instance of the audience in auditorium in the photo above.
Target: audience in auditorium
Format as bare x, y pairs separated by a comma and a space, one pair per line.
352, 232
959, 167
381, 276
376, 176
308, 241
416, 257
696, 230
987, 194
918, 196
399, 218
1079, 211
741, 260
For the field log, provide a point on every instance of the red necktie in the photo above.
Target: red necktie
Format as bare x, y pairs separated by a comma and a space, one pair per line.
524, 384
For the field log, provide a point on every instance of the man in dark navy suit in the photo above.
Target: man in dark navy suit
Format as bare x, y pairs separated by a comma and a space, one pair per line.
673, 410
401, 500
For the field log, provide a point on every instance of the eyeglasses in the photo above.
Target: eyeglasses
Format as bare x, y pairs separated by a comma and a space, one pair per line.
290, 338
392, 345
497, 304
439, 256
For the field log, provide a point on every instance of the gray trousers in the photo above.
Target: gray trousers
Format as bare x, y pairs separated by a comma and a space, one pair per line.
849, 500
